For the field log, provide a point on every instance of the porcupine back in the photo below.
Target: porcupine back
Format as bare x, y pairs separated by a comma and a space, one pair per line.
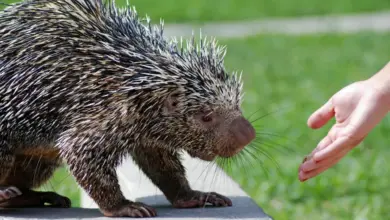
61, 60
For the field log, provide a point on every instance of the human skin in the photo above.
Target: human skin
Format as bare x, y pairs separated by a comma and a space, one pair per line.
357, 108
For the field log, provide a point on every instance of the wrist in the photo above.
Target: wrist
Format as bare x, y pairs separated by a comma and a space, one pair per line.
380, 82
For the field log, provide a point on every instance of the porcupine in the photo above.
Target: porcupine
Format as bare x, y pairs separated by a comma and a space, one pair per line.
86, 84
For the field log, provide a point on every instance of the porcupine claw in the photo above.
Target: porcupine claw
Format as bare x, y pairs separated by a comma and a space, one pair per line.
132, 209
7, 193
199, 199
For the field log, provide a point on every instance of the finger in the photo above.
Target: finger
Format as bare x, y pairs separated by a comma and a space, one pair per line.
322, 144
313, 165
326, 141
333, 149
320, 117
303, 176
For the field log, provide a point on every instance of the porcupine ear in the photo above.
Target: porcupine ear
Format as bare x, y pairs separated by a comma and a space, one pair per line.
171, 102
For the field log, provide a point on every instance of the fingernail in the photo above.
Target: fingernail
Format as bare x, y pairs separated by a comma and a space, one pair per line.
303, 167
308, 165
301, 175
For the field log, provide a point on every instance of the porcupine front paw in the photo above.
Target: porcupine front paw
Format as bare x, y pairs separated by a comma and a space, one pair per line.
132, 209
194, 199
30, 198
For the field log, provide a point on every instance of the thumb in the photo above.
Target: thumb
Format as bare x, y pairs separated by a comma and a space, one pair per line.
320, 117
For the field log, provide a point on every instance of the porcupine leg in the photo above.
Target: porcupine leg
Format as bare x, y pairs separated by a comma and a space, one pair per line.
30, 172
7, 160
165, 170
95, 172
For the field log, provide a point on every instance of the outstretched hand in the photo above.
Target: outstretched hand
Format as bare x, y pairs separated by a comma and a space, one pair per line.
357, 108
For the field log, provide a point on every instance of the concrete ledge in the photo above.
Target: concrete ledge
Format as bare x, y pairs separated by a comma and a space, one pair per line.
136, 186
244, 208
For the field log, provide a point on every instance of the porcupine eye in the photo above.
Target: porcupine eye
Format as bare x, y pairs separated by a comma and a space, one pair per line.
207, 118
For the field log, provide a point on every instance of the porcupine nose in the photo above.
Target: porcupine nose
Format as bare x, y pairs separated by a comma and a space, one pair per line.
243, 132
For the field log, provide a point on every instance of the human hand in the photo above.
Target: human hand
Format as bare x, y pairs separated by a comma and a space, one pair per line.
357, 108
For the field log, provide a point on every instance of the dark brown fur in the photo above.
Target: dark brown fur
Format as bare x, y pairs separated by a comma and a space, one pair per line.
30, 170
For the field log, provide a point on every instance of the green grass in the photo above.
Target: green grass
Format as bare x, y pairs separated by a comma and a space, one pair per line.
296, 75
198, 11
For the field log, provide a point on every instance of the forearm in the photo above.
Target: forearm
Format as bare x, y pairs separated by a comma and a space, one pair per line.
382, 75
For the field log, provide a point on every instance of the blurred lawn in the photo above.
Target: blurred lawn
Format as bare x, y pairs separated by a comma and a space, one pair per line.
197, 11
296, 75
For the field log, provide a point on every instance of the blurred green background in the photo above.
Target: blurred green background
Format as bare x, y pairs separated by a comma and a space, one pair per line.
295, 75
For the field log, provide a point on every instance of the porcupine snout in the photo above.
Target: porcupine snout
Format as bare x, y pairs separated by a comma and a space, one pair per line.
243, 133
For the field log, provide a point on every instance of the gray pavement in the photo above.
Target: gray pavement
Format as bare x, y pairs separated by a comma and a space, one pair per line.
378, 21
